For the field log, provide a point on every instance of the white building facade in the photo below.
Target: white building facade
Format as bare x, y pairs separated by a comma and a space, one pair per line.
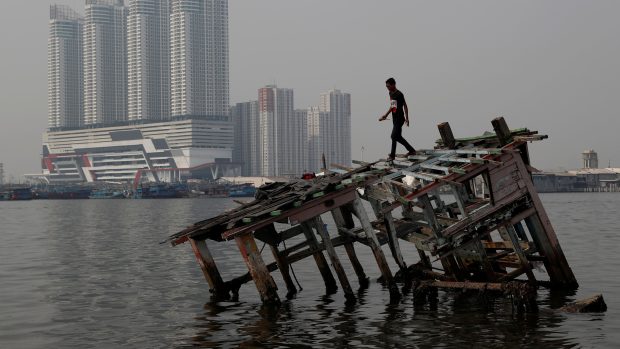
105, 62
248, 146
148, 59
338, 105
64, 68
279, 138
199, 58
118, 152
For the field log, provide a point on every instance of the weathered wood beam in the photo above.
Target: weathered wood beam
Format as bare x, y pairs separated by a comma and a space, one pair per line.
319, 226
209, 269
265, 285
319, 258
446, 135
373, 242
343, 219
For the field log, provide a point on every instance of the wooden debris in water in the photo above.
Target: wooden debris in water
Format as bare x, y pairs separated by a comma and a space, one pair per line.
468, 206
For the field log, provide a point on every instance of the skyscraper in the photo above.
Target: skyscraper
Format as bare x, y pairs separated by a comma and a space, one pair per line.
338, 105
199, 58
64, 68
279, 143
217, 67
105, 62
148, 59
318, 131
247, 150
187, 57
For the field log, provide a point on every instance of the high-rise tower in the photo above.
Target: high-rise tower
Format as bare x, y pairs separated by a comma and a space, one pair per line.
277, 138
148, 59
217, 66
338, 105
64, 68
199, 58
105, 62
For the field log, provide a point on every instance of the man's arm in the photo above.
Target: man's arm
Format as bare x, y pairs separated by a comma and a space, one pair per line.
385, 115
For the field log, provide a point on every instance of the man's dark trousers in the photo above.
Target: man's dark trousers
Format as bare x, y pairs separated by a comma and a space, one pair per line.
397, 136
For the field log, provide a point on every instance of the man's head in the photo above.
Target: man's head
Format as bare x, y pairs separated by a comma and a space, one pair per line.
390, 84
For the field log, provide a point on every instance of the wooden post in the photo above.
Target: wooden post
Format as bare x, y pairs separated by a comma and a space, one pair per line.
426, 261
319, 258
388, 221
265, 285
331, 252
284, 270
373, 242
341, 221
446, 135
539, 224
502, 131
429, 214
209, 269
459, 200
516, 246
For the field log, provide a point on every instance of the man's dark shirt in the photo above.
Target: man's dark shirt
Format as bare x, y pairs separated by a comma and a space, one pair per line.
399, 98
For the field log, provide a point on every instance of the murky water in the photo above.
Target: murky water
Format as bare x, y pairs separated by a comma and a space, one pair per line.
92, 274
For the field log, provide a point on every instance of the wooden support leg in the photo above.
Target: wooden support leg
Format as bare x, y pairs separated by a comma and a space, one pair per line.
388, 220
485, 262
265, 285
285, 271
360, 212
319, 258
542, 225
520, 231
393, 241
406, 209
341, 221
209, 269
331, 252
544, 247
516, 246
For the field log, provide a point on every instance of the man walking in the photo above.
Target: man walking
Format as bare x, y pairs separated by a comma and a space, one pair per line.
400, 116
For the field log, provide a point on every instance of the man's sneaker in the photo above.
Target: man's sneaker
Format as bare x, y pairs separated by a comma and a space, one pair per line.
411, 153
390, 158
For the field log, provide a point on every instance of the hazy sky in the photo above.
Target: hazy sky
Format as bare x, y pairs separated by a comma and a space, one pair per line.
553, 66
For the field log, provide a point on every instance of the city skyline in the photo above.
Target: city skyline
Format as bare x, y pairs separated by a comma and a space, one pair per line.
547, 71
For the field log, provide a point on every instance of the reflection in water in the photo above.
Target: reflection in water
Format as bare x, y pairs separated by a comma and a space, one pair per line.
92, 273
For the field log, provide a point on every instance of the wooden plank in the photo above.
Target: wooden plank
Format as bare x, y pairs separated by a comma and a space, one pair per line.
446, 135
319, 258
209, 269
502, 131
283, 266
429, 216
373, 242
331, 252
265, 285
527, 266
548, 240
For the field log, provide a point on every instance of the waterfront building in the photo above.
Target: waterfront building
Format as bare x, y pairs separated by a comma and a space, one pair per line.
1, 173
279, 143
590, 159
148, 59
338, 143
199, 148
247, 148
105, 62
217, 56
64, 67
199, 58
318, 132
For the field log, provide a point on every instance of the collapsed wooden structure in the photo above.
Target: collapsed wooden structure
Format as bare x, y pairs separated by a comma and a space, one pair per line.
468, 205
